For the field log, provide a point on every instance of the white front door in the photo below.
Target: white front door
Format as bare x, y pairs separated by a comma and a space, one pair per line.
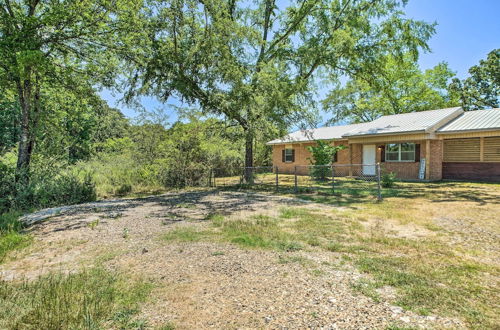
369, 158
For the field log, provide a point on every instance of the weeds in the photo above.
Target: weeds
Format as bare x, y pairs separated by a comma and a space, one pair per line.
91, 299
186, 234
93, 224
11, 237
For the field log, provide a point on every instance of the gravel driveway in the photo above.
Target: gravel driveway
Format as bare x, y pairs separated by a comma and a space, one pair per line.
201, 284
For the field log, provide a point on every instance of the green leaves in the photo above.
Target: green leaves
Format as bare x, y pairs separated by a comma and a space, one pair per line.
258, 64
396, 86
482, 89
323, 152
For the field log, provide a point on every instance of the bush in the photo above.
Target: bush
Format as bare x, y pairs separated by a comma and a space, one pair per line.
63, 189
388, 180
7, 187
177, 176
322, 156
48, 187
124, 189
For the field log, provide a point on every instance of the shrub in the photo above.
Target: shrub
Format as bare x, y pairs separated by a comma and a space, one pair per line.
322, 156
124, 189
48, 187
7, 187
388, 180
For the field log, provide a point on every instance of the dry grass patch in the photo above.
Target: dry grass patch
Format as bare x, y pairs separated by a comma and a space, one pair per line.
398, 244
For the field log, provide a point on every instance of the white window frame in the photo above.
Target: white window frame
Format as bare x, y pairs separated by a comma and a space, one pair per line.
288, 155
399, 160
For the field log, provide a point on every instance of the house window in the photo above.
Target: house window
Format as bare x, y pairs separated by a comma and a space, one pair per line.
289, 156
400, 152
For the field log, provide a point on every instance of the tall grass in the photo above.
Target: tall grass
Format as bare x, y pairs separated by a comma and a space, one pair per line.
10, 236
120, 174
92, 299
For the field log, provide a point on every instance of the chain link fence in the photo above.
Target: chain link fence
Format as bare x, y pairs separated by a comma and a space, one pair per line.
351, 179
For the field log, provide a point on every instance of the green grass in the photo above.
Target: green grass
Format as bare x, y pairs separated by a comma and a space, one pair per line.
443, 284
257, 232
428, 275
186, 234
428, 271
11, 237
91, 299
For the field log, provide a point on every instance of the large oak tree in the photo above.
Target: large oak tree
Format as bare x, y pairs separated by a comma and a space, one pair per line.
257, 63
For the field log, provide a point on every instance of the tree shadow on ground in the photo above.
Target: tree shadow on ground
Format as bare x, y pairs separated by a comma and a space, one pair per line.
196, 205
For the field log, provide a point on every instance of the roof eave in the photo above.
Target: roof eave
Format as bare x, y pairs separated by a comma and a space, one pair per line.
304, 141
469, 130
385, 134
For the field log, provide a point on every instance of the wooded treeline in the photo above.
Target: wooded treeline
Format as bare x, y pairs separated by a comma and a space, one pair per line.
246, 71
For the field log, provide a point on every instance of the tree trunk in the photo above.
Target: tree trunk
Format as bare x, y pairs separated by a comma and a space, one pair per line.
26, 138
248, 157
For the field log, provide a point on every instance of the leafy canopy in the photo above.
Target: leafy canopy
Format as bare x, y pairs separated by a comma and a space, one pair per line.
257, 64
482, 89
399, 87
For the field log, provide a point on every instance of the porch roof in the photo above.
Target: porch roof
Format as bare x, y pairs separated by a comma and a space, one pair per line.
479, 120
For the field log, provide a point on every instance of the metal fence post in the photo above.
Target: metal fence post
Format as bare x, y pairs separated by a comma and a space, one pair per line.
277, 180
295, 174
379, 188
333, 179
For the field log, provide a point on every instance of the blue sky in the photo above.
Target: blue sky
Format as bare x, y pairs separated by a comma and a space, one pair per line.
467, 31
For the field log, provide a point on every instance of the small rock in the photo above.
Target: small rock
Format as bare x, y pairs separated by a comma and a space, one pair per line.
396, 309
405, 319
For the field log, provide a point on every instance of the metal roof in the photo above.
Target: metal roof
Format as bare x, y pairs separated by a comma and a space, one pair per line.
413, 122
322, 133
439, 121
477, 120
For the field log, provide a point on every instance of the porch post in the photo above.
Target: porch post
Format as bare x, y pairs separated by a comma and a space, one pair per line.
481, 149
427, 159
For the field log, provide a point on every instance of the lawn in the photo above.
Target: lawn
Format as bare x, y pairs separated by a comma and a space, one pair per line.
432, 243
223, 258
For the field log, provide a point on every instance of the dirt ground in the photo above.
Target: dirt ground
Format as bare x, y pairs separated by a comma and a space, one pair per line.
211, 284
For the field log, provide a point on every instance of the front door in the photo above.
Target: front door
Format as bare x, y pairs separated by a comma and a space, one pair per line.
369, 159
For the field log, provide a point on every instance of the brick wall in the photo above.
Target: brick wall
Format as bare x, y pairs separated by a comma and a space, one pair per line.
436, 163
301, 157
403, 170
409, 170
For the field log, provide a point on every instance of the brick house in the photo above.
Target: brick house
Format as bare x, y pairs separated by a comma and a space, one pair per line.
428, 145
